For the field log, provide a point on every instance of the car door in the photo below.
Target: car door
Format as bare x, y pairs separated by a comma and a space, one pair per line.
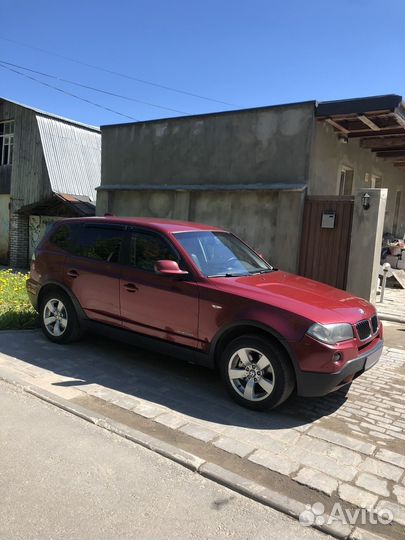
159, 306
92, 271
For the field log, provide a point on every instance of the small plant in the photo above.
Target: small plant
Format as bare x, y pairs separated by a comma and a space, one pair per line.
16, 311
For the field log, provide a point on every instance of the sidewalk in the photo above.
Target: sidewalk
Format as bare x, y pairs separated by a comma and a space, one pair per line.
393, 307
347, 447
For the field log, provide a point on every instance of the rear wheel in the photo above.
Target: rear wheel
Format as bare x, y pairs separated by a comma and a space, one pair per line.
256, 372
58, 317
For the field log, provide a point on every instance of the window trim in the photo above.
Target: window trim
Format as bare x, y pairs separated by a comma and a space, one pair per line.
10, 137
76, 238
344, 169
158, 234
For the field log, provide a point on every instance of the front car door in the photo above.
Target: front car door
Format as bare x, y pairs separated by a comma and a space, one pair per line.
159, 306
92, 271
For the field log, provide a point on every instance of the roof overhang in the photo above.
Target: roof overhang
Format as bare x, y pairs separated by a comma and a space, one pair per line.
202, 187
379, 123
60, 204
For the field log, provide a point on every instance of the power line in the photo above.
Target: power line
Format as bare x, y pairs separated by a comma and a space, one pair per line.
92, 87
124, 75
65, 92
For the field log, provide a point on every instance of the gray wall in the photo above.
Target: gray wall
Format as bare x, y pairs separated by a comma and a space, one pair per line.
270, 221
328, 157
251, 146
365, 248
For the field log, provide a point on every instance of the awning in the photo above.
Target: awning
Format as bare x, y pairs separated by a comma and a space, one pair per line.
61, 204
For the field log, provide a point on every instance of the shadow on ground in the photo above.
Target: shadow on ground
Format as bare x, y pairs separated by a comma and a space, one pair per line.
185, 388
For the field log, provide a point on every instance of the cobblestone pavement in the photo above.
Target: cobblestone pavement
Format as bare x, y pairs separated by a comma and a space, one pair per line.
349, 444
394, 303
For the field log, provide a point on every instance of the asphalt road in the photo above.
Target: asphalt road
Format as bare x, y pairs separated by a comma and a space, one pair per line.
61, 477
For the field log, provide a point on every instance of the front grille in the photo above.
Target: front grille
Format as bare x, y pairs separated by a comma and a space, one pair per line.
363, 330
374, 323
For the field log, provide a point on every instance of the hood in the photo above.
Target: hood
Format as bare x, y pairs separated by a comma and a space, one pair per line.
313, 300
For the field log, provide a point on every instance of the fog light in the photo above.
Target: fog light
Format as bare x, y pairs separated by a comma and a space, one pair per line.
337, 357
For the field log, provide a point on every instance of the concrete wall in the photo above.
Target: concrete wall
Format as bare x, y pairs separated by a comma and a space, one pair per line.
329, 156
264, 145
270, 221
365, 247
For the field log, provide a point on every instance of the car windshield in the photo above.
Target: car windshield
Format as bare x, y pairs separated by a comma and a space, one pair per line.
221, 254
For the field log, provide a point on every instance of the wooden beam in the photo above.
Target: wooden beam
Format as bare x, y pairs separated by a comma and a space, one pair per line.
399, 164
368, 122
337, 126
387, 150
382, 142
400, 119
384, 131
392, 154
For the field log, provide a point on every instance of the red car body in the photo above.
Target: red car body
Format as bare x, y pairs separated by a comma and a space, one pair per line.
197, 316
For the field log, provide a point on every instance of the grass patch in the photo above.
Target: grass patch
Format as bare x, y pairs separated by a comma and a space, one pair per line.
16, 311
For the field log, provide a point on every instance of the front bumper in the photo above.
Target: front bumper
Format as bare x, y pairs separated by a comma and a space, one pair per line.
313, 384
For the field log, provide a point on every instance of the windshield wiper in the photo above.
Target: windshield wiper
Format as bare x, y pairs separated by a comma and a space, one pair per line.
266, 271
227, 275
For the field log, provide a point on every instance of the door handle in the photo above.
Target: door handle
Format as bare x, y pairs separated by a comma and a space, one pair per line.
73, 273
131, 287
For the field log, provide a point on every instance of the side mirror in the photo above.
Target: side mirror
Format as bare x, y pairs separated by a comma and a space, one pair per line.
169, 268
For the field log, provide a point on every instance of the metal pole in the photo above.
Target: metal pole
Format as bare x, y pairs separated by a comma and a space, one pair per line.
386, 267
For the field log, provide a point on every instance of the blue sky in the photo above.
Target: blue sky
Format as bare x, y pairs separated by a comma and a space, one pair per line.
246, 53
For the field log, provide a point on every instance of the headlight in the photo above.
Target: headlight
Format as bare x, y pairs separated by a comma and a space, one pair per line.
331, 333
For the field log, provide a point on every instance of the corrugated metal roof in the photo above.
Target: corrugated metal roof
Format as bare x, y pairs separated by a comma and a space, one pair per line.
51, 115
72, 156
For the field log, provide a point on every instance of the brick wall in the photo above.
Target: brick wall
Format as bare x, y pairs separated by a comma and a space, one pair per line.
18, 240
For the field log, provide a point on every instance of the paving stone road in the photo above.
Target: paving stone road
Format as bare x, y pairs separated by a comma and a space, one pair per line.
348, 445
393, 304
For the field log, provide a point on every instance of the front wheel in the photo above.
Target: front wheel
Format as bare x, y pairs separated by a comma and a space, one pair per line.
256, 372
58, 318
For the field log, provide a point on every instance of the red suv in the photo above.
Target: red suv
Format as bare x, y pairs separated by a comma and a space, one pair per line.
199, 292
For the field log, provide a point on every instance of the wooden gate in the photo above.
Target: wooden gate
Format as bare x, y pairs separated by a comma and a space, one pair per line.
325, 239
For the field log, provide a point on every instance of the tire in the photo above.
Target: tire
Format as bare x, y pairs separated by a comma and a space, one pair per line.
266, 375
65, 326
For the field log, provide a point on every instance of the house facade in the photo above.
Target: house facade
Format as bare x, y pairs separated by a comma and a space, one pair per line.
49, 169
253, 170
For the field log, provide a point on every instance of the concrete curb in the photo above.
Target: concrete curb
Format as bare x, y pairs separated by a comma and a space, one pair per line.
218, 474
390, 318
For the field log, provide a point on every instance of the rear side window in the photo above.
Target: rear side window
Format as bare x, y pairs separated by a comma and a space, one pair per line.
100, 243
146, 249
64, 236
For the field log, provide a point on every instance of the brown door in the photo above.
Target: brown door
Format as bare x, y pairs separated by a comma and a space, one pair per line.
325, 239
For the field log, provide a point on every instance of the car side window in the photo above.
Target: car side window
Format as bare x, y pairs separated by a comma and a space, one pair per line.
100, 243
64, 236
145, 249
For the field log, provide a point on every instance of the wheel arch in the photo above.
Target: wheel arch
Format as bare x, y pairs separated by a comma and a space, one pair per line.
237, 329
55, 286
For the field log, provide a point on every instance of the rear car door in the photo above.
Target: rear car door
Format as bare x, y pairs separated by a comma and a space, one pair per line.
93, 268
159, 306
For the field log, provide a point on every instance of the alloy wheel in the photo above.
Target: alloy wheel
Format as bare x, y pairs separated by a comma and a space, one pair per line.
251, 374
55, 317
